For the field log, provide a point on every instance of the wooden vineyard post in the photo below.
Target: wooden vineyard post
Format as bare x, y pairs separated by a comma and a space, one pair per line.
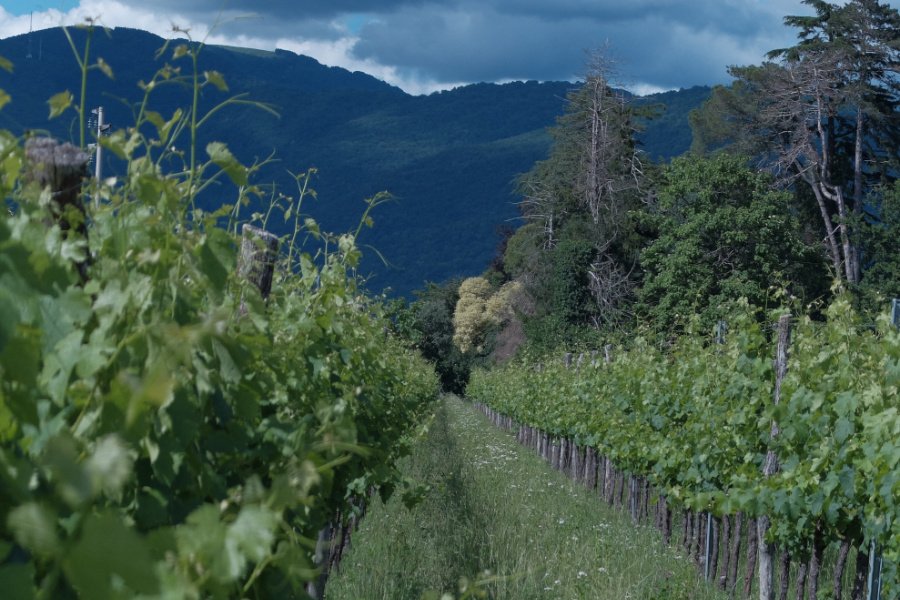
632, 498
766, 549
256, 263
61, 168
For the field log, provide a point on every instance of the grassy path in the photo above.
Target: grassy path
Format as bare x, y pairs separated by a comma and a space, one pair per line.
494, 506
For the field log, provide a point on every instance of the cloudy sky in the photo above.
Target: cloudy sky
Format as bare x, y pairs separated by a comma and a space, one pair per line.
426, 45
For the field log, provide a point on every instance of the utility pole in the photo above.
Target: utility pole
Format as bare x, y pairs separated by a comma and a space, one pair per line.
102, 127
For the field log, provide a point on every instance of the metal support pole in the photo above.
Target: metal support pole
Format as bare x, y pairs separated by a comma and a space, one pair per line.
708, 560
721, 329
875, 564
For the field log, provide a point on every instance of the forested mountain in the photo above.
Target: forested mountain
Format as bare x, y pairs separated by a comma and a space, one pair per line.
449, 159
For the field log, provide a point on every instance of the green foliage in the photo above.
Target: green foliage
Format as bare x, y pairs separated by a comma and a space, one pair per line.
822, 115
881, 255
523, 251
723, 234
164, 431
569, 298
431, 325
838, 420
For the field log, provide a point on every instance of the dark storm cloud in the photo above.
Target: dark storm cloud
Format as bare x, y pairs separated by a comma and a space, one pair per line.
656, 42
664, 43
291, 10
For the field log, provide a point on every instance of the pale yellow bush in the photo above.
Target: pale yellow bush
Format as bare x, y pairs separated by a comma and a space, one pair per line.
477, 310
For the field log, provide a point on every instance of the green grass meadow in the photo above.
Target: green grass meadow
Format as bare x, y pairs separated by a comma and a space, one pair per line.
497, 522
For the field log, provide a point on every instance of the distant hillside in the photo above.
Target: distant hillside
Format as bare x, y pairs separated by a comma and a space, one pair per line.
448, 158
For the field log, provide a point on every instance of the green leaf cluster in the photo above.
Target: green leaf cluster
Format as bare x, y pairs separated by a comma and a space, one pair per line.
724, 233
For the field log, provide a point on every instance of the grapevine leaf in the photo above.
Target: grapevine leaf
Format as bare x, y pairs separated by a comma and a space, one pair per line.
70, 477
59, 103
109, 556
843, 429
59, 364
216, 260
6, 65
16, 581
156, 120
105, 68
229, 371
203, 538
215, 78
225, 160
109, 466
251, 535
34, 528
4, 98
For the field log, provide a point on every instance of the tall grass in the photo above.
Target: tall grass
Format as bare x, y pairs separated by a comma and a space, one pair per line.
498, 523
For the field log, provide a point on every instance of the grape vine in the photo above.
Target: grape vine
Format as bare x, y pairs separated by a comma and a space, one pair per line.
696, 419
164, 430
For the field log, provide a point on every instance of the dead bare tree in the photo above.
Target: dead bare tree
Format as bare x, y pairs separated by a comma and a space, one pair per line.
538, 205
612, 286
611, 164
826, 112
798, 101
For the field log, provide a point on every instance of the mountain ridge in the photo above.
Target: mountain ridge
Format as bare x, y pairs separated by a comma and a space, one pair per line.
449, 158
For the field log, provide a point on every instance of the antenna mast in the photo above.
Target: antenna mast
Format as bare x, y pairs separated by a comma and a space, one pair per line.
30, 31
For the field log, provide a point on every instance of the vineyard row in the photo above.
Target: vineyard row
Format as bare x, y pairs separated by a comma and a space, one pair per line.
802, 450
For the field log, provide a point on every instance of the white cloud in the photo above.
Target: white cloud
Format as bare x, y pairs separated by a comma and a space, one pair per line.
340, 53
428, 45
331, 50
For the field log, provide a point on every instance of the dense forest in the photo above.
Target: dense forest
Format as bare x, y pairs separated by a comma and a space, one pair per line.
788, 196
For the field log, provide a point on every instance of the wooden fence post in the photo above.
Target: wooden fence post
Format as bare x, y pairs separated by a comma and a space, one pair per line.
256, 263
766, 549
62, 168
